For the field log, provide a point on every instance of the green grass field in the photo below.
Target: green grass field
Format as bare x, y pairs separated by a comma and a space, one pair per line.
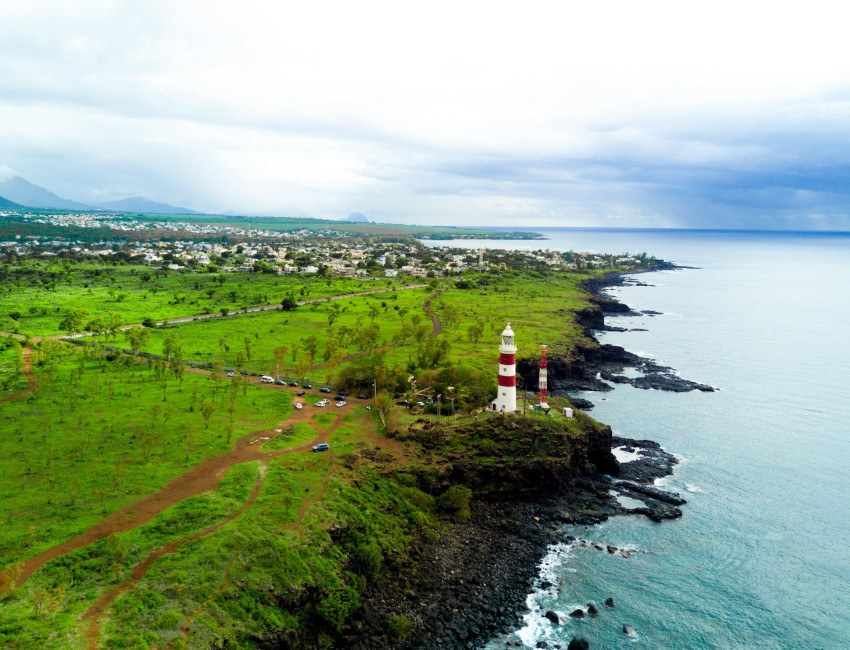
12, 378
35, 295
96, 436
253, 337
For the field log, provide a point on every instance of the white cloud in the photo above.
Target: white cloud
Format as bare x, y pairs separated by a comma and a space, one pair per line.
473, 112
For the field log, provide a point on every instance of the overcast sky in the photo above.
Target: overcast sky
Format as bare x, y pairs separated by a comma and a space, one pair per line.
627, 114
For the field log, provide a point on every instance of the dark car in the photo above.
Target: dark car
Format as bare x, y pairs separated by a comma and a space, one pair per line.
322, 446
340, 398
280, 382
307, 386
403, 402
344, 393
300, 393
362, 396
324, 390
293, 384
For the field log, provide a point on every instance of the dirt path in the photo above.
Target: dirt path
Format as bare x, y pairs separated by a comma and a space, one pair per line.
437, 326
202, 478
224, 585
306, 504
95, 612
28, 373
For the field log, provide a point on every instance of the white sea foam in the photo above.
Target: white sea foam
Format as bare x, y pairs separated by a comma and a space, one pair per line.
693, 488
624, 456
535, 626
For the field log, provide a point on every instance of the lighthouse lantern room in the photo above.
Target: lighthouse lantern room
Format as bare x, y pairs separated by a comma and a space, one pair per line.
505, 401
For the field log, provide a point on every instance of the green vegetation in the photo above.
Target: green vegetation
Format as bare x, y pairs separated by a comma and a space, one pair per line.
289, 541
97, 434
287, 343
12, 378
36, 295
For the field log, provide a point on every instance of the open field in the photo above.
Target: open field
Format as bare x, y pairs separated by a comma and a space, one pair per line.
96, 436
249, 340
35, 296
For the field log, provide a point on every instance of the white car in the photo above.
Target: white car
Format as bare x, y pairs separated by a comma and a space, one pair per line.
298, 406
266, 379
338, 404
321, 403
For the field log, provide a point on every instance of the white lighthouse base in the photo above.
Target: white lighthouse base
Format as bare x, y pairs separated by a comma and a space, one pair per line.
505, 399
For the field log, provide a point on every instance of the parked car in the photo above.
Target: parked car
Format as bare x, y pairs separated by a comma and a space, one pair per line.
342, 403
323, 389
307, 386
344, 393
266, 379
300, 393
231, 374
322, 446
420, 404
403, 402
362, 396
298, 405
294, 384
280, 382
322, 403
339, 398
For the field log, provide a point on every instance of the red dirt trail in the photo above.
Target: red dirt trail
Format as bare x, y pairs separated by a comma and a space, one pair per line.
202, 478
27, 357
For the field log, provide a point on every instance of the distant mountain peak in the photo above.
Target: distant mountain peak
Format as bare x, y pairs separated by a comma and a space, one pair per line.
6, 173
357, 217
143, 205
16, 188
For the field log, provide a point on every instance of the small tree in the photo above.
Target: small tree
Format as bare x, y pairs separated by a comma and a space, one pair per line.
207, 413
74, 321
280, 353
138, 337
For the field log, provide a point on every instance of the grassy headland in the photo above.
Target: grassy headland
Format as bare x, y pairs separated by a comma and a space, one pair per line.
146, 504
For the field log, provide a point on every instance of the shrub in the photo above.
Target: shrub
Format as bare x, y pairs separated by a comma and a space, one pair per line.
430, 536
338, 606
368, 558
455, 501
399, 627
488, 447
418, 498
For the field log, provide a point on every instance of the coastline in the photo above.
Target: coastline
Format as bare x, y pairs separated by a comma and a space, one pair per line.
473, 587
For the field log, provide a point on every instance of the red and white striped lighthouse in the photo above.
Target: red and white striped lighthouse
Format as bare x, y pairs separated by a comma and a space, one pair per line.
506, 397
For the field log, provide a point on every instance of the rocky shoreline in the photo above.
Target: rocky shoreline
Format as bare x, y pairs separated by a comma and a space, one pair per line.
471, 587
592, 366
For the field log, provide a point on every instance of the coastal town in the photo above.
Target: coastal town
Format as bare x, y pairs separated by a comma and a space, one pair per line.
197, 247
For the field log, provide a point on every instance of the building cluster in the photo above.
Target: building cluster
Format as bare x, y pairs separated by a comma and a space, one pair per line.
123, 223
197, 247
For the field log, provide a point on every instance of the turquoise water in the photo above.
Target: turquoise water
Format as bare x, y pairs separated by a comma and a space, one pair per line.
760, 558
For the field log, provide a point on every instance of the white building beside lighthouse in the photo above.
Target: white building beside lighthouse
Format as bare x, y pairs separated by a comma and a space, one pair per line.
506, 397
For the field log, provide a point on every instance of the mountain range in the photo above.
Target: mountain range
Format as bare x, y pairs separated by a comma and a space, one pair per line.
18, 192
139, 204
17, 189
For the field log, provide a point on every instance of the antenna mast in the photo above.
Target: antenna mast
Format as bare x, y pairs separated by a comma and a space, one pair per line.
542, 384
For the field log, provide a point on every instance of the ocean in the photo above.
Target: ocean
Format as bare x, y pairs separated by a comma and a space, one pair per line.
761, 556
